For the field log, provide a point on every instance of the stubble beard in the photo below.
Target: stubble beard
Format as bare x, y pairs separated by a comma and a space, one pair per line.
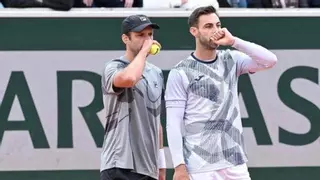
207, 43
135, 51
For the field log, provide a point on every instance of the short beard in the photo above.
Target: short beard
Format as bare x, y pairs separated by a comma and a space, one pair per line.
135, 51
207, 44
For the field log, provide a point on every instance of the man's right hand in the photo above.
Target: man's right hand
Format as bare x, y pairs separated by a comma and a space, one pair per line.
183, 2
180, 173
147, 45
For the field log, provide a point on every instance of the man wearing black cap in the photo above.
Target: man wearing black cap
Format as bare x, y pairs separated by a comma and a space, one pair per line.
132, 89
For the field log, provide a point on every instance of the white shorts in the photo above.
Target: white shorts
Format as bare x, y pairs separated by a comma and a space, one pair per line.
239, 172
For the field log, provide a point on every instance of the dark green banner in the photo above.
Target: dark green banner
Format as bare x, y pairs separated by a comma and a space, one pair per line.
104, 33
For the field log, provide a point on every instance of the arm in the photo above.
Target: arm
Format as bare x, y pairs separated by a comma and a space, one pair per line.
251, 57
162, 158
162, 162
111, 69
162, 106
130, 75
176, 97
160, 137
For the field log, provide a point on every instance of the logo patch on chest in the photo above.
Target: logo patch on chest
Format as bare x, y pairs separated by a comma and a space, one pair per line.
155, 83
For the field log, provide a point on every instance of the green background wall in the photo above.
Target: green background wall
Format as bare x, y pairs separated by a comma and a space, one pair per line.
104, 34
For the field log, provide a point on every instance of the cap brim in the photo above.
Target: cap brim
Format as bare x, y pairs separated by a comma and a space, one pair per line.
143, 26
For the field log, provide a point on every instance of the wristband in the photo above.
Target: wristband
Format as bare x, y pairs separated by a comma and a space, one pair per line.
162, 159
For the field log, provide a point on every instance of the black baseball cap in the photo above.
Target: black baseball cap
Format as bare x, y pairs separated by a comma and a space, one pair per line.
136, 23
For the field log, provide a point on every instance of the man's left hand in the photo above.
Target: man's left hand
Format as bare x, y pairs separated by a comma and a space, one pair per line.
223, 37
88, 2
162, 174
128, 3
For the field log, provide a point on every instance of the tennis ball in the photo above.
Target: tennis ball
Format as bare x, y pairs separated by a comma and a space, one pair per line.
155, 49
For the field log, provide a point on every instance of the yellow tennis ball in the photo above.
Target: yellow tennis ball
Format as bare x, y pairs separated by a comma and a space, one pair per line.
155, 49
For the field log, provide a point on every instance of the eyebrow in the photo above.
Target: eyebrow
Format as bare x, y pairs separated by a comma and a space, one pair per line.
219, 23
141, 33
208, 24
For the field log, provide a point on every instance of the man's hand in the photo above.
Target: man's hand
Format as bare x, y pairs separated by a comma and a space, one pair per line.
223, 37
180, 173
147, 45
183, 2
87, 2
162, 174
128, 3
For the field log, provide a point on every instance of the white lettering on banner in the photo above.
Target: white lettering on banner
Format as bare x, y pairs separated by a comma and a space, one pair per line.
40, 69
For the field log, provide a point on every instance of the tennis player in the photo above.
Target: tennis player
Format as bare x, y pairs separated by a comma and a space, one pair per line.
204, 129
132, 88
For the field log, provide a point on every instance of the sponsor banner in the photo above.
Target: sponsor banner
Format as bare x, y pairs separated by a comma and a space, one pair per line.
52, 116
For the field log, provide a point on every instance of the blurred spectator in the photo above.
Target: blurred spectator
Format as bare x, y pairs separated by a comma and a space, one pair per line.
259, 4
185, 4
54, 4
163, 4
83, 3
281, 3
289, 3
20, 3
238, 3
147, 4
88, 3
119, 3
314, 3
192, 4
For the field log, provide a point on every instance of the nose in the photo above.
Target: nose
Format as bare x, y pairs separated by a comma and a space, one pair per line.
148, 37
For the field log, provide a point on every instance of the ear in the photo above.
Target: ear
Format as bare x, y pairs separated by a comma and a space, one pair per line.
193, 31
125, 38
